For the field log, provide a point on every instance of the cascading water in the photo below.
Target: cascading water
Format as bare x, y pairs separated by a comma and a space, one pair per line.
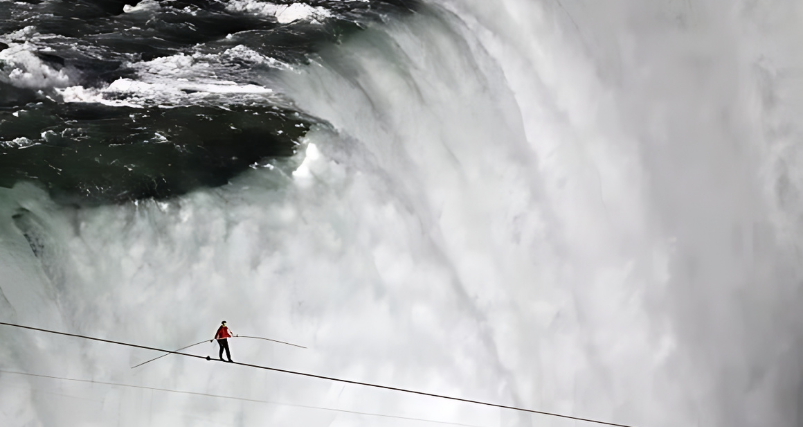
587, 209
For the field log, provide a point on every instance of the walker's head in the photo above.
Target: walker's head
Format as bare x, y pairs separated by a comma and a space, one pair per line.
223, 322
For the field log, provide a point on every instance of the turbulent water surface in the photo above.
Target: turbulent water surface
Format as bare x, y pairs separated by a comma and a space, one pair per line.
588, 208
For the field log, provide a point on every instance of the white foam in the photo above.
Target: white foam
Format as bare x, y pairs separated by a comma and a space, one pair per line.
135, 93
24, 69
178, 79
25, 33
19, 142
247, 54
81, 94
303, 173
301, 11
284, 14
142, 6
251, 6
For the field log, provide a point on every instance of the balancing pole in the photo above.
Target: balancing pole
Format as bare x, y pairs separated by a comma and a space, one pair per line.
156, 358
236, 336
268, 339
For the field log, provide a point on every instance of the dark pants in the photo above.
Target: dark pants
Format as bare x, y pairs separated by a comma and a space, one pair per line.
224, 344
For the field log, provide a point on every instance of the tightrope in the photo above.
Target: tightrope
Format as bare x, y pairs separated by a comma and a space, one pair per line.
323, 377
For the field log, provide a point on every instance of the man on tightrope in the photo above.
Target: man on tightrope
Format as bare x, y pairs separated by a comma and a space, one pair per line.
221, 336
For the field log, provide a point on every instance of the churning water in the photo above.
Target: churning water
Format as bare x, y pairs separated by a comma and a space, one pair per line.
590, 208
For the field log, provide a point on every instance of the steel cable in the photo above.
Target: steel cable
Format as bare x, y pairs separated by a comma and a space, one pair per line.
323, 377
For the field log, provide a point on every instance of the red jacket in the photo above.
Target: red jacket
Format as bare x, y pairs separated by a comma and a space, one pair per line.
222, 333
